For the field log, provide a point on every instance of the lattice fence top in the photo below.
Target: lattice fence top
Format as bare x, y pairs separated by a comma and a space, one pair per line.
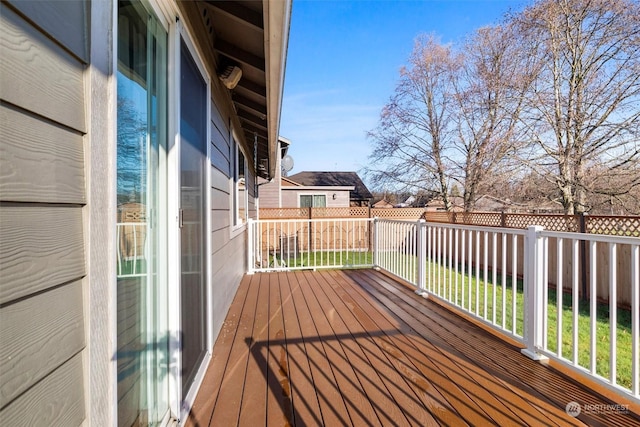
613, 225
132, 212
341, 212
549, 222
594, 224
331, 212
398, 213
284, 213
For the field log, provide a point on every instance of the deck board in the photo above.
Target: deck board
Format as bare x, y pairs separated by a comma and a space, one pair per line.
355, 347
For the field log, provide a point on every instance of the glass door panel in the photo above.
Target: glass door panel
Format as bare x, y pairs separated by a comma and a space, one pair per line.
142, 344
193, 156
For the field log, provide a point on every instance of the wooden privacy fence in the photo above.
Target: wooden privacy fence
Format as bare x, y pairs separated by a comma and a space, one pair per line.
412, 214
570, 260
579, 223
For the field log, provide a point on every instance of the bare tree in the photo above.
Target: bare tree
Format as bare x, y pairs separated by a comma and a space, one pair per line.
413, 137
583, 111
489, 93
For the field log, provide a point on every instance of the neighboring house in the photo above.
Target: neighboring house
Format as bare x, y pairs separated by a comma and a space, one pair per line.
133, 135
487, 203
320, 189
311, 189
269, 190
437, 204
382, 204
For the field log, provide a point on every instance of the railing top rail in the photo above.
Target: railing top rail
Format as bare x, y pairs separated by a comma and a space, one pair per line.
507, 230
396, 221
605, 238
306, 220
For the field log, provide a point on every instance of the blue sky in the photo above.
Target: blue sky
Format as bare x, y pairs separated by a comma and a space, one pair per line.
343, 64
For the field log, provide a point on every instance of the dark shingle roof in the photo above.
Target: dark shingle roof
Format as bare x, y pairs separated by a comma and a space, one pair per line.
361, 191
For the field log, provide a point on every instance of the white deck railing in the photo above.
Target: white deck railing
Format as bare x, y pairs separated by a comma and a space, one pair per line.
302, 244
559, 294
131, 240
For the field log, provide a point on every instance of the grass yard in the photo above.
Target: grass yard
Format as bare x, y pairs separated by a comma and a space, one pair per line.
481, 300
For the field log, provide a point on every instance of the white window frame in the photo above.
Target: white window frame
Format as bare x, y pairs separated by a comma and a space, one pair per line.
237, 225
326, 197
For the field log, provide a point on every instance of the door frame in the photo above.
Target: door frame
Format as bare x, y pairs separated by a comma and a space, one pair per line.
179, 404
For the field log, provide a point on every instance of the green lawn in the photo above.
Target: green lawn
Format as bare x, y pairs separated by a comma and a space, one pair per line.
603, 327
128, 267
326, 258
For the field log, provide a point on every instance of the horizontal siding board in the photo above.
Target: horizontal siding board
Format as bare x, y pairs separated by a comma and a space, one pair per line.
220, 145
219, 199
62, 20
227, 271
218, 123
38, 335
219, 240
220, 181
220, 160
39, 161
220, 220
38, 75
57, 400
42, 246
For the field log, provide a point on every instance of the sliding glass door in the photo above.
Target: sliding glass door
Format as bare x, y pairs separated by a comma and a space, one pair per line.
142, 343
193, 159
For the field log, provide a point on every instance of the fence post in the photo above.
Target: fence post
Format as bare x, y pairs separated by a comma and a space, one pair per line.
421, 235
374, 239
250, 246
534, 293
583, 256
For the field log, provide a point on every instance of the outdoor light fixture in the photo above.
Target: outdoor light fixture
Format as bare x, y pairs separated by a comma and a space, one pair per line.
231, 76
334, 196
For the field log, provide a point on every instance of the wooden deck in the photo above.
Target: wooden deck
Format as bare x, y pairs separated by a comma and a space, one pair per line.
355, 347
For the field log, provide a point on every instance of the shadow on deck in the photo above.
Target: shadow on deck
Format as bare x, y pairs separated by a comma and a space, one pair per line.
355, 347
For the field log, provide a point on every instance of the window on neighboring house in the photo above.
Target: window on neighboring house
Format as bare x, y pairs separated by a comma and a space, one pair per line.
240, 188
313, 201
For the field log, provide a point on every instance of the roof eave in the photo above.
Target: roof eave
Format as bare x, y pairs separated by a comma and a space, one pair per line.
277, 17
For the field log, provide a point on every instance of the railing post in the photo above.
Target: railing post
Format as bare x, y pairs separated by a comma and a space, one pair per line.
534, 293
421, 235
250, 246
375, 242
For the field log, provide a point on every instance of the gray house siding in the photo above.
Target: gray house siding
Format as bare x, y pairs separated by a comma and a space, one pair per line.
43, 129
227, 249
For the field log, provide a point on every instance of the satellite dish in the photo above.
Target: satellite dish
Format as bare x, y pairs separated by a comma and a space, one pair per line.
286, 164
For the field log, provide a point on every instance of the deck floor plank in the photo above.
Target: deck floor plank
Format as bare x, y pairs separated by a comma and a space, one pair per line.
360, 408
537, 385
356, 347
305, 405
228, 405
240, 313
479, 405
478, 385
332, 406
279, 404
379, 379
254, 397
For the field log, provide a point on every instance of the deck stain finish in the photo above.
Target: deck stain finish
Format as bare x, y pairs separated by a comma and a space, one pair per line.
356, 347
